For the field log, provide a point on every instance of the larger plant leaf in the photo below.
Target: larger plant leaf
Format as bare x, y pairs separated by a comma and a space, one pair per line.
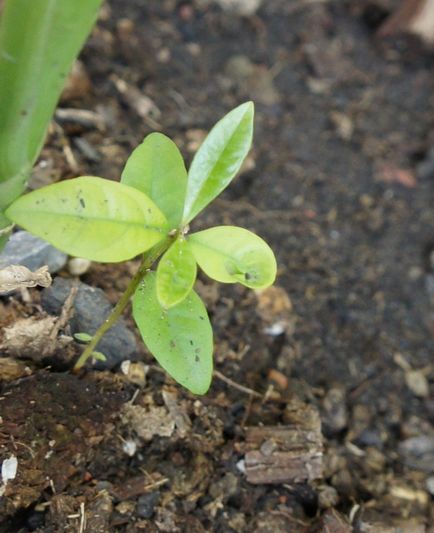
230, 254
176, 274
39, 40
91, 217
156, 168
180, 338
218, 159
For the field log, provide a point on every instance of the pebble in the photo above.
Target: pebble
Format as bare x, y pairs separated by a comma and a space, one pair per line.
430, 485
327, 496
418, 452
335, 412
78, 266
29, 251
146, 504
225, 487
91, 307
417, 383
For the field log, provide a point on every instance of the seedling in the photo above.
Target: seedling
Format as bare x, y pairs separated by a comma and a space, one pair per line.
149, 213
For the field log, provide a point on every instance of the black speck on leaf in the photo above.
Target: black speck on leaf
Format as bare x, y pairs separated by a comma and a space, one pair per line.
191, 342
196, 358
82, 203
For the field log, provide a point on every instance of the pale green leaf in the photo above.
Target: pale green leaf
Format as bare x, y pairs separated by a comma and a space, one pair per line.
230, 254
180, 338
218, 159
176, 274
99, 356
156, 168
91, 217
83, 337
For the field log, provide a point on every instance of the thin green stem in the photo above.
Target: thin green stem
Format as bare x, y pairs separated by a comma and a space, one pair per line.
148, 260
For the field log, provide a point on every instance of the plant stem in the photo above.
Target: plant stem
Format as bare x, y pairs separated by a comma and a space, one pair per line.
148, 260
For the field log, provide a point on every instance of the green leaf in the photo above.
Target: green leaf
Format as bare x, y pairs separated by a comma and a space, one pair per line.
39, 40
91, 217
156, 168
218, 159
83, 337
230, 254
99, 356
176, 274
180, 338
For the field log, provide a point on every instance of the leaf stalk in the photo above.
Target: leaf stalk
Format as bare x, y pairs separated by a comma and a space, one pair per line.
148, 260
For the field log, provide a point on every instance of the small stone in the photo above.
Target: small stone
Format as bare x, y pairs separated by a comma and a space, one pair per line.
126, 507
146, 504
417, 383
78, 266
243, 8
91, 308
225, 487
31, 252
418, 452
327, 496
430, 485
9, 469
335, 416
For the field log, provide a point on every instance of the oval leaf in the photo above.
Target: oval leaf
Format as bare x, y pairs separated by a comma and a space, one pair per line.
230, 254
176, 274
218, 159
91, 217
156, 168
180, 338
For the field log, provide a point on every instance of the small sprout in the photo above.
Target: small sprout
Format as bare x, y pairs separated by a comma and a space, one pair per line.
99, 356
149, 213
83, 337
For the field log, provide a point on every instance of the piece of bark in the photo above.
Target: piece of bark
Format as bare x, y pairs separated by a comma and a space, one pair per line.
283, 454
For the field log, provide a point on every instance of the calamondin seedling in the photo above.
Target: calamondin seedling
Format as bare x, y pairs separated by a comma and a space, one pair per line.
149, 213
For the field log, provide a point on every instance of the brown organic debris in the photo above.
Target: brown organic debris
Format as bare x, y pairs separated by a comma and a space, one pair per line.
16, 277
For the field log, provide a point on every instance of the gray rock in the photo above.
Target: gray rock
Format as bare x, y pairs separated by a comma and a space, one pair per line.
31, 252
418, 452
91, 307
146, 504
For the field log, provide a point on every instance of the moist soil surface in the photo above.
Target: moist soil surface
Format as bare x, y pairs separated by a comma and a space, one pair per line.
340, 183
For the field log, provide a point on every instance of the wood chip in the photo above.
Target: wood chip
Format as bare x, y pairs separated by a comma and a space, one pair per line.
283, 454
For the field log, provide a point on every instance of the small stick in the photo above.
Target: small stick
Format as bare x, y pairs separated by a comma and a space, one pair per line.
236, 385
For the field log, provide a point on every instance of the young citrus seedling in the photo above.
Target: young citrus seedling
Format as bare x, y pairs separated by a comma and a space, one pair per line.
149, 213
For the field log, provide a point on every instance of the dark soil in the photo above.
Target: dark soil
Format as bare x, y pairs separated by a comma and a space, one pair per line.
340, 183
